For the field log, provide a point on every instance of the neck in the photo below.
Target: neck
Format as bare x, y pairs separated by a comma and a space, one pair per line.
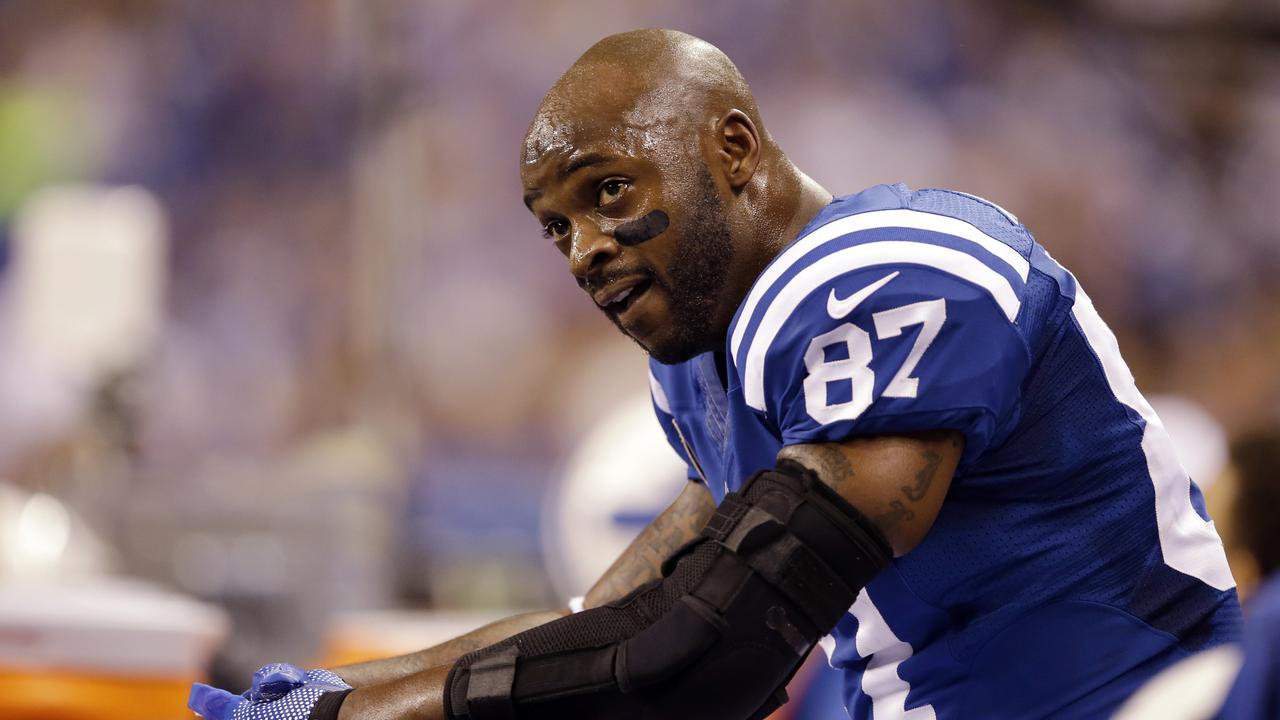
809, 198
779, 201
789, 201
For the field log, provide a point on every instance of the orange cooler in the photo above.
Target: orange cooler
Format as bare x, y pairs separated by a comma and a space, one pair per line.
102, 650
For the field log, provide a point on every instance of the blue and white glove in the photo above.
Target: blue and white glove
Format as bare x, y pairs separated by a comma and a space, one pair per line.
280, 691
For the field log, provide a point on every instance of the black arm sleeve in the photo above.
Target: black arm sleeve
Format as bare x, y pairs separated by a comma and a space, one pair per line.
718, 637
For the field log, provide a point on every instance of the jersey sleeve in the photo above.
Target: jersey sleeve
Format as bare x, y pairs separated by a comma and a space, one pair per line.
885, 338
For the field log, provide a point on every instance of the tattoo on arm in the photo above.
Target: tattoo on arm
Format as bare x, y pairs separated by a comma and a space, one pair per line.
832, 466
924, 477
642, 561
889, 520
893, 508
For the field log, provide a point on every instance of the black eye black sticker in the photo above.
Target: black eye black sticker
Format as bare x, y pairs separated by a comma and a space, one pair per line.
646, 228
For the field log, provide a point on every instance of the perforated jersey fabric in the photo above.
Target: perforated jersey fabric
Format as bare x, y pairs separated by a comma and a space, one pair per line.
1072, 558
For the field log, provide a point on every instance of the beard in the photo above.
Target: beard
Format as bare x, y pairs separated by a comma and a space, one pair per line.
698, 274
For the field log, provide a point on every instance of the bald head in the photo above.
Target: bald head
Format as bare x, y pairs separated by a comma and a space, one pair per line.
644, 86
647, 166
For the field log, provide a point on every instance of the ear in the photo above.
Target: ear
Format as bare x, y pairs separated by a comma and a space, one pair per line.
738, 145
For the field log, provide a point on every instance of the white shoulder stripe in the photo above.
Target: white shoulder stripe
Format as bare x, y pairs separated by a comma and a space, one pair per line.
913, 219
826, 269
659, 395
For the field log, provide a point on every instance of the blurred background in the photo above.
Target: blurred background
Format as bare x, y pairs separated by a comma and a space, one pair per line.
284, 360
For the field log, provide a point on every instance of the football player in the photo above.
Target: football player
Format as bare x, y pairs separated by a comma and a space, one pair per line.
911, 441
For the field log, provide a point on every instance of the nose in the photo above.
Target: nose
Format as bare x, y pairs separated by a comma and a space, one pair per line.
590, 252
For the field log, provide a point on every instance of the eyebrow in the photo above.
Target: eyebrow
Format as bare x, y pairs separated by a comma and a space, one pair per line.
582, 161
571, 167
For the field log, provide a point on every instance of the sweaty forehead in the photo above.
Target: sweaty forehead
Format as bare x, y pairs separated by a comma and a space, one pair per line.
558, 139
603, 111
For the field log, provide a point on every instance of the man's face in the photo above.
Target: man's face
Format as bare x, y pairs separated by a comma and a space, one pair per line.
664, 289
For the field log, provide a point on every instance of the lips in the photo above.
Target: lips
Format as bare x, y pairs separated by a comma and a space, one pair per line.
620, 297
617, 298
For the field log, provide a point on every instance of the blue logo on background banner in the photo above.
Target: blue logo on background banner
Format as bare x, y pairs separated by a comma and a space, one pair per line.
4, 247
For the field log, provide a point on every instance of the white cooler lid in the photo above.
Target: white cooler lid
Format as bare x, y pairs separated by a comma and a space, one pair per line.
109, 625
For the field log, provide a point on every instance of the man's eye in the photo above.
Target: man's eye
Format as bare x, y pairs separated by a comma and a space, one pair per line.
555, 229
610, 191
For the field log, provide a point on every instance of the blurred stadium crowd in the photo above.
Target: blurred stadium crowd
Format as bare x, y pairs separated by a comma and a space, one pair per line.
367, 368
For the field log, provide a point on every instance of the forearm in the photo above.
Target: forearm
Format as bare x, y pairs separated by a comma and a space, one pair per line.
401, 684
376, 672
642, 561
418, 696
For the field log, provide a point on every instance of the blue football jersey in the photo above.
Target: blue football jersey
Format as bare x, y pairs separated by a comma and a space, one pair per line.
1255, 694
1073, 557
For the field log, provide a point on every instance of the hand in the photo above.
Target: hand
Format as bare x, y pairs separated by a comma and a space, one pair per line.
280, 691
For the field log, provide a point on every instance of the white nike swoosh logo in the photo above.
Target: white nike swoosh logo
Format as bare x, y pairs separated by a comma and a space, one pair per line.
839, 309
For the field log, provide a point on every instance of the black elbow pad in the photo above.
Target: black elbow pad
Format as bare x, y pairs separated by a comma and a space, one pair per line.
717, 638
